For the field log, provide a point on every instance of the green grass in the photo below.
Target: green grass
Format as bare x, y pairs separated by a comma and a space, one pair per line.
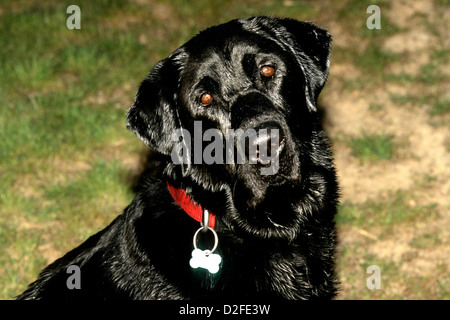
376, 107
434, 103
59, 182
373, 147
368, 56
353, 12
426, 240
374, 60
382, 219
395, 282
429, 79
440, 107
388, 211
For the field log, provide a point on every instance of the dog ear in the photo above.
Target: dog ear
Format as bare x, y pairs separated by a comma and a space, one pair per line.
311, 46
152, 117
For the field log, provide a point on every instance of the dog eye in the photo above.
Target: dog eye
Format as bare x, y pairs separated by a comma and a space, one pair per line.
206, 99
267, 71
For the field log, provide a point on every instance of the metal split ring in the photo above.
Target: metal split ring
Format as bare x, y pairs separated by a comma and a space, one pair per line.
216, 238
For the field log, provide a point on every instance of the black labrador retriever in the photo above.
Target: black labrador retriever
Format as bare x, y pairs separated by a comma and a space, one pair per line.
243, 199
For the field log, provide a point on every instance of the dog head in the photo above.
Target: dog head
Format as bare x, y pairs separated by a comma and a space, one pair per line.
256, 78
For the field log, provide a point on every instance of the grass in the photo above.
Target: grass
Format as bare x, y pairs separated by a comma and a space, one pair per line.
426, 240
57, 187
388, 211
376, 107
64, 98
440, 107
430, 77
373, 147
384, 217
374, 60
435, 104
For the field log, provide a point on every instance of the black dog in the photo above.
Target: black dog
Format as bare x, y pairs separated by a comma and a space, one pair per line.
274, 231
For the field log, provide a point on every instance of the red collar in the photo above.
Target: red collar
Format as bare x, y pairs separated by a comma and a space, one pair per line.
194, 210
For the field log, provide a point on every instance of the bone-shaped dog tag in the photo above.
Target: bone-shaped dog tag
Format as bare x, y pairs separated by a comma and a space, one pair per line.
206, 260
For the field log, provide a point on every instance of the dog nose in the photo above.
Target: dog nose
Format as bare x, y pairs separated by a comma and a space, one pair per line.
269, 139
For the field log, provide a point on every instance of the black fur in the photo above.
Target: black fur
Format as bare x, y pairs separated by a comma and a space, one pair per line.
276, 233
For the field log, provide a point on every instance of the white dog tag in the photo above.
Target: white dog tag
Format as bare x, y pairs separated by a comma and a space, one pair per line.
206, 260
